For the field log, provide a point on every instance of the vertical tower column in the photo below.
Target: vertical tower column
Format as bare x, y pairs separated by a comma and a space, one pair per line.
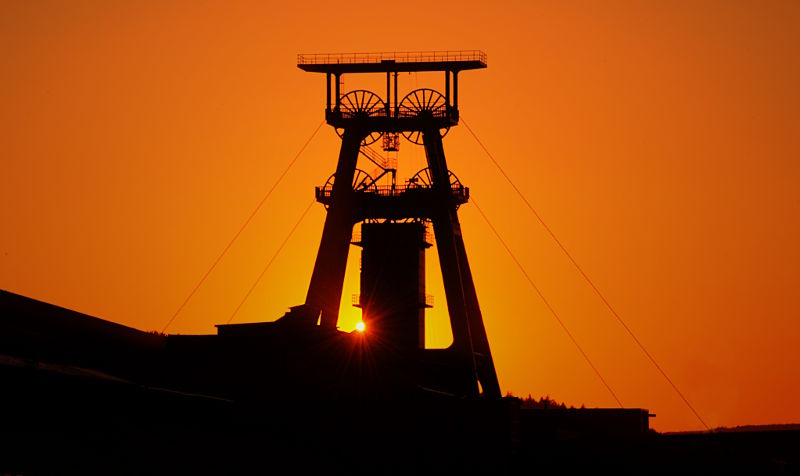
393, 284
388, 92
447, 88
395, 94
455, 89
484, 363
469, 334
328, 92
338, 79
325, 290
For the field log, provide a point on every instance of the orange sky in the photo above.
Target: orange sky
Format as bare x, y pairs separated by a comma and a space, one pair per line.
660, 143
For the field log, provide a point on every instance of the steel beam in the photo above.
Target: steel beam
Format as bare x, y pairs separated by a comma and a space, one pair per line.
469, 335
325, 290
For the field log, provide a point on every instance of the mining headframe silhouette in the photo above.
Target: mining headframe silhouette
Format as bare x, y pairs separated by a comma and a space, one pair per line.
82, 394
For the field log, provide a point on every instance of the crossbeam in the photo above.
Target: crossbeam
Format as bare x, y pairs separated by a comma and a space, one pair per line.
391, 62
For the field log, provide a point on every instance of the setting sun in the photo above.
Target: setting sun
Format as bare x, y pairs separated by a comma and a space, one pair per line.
360, 327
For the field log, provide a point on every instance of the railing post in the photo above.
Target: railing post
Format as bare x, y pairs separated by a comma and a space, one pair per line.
328, 91
338, 91
447, 88
388, 93
455, 89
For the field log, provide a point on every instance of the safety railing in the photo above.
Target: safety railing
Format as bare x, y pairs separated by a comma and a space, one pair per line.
442, 112
457, 189
396, 56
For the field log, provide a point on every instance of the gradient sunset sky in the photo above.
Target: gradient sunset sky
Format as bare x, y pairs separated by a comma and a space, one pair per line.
660, 142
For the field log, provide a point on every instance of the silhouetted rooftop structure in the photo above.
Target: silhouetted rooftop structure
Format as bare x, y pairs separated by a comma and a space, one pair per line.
385, 62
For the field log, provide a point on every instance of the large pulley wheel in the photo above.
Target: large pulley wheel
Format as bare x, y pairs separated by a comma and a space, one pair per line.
361, 104
362, 182
423, 102
424, 179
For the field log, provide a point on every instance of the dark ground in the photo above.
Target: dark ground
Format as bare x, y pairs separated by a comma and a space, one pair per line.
79, 395
55, 422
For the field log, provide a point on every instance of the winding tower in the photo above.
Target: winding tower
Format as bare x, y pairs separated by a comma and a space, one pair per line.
394, 217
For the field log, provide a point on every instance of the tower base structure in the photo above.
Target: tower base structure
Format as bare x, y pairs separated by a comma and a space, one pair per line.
392, 309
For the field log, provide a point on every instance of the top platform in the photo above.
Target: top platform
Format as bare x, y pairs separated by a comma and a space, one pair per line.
391, 62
